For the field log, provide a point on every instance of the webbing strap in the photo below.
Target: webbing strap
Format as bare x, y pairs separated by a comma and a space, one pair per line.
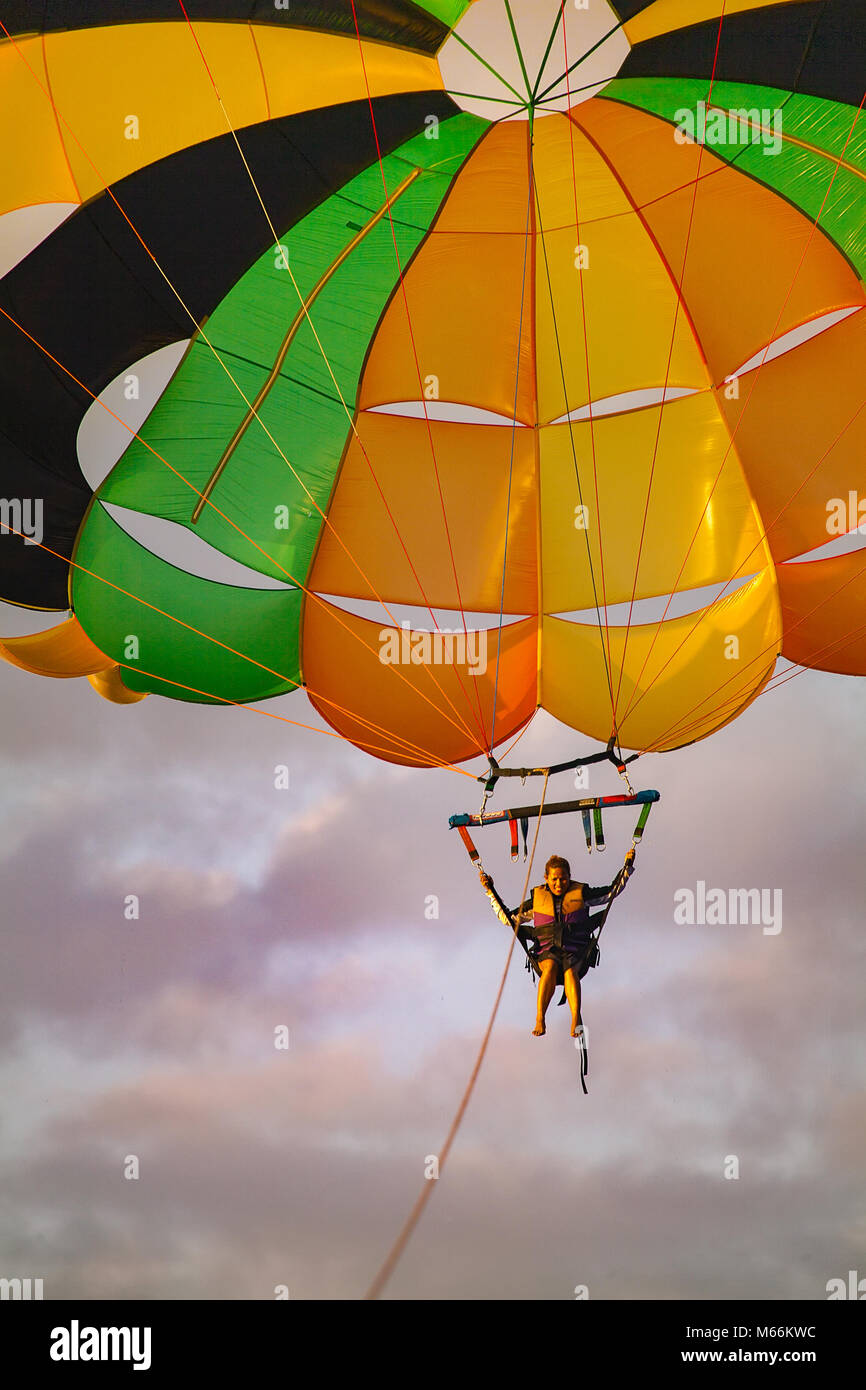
587, 829
467, 840
599, 829
609, 755
584, 1055
601, 918
512, 826
641, 822
524, 830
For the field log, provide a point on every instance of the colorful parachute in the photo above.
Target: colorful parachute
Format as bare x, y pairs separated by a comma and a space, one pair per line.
451, 405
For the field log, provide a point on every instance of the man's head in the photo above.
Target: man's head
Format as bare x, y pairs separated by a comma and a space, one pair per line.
557, 874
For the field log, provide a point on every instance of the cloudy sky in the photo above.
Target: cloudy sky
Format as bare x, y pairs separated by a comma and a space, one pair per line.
308, 908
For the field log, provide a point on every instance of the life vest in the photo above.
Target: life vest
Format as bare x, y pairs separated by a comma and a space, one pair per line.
574, 913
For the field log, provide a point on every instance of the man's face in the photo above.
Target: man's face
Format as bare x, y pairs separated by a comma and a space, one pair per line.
557, 882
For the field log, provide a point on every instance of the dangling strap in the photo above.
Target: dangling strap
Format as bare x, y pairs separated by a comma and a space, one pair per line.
524, 830
584, 1055
587, 828
467, 840
599, 830
512, 826
642, 820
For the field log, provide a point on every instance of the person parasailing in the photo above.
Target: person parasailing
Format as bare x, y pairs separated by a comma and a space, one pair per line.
557, 919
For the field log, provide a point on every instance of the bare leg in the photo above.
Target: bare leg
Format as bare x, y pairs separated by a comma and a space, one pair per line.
572, 994
546, 987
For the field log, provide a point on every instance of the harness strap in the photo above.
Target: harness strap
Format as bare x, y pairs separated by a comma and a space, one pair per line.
599, 828
467, 840
641, 822
603, 916
584, 1055
587, 828
609, 755
512, 826
524, 829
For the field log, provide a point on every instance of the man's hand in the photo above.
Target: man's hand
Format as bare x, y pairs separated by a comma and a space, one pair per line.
486, 880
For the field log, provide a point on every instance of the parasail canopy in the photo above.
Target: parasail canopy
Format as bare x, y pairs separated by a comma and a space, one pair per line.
446, 416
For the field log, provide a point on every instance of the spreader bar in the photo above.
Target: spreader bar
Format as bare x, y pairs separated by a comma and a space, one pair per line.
591, 803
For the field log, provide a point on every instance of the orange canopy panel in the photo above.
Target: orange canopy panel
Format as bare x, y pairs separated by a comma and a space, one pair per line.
410, 696
824, 612
799, 425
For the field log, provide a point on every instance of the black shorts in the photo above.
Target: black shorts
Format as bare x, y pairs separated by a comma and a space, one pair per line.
570, 956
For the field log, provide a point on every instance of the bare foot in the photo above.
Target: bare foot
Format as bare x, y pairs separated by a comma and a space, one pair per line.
539, 1030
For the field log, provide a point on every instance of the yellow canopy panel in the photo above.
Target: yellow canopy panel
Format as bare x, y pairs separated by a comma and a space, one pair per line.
673, 508
109, 684
672, 683
666, 15
97, 97
601, 288
63, 651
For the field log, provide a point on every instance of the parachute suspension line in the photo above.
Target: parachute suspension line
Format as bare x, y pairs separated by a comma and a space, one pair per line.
304, 311
678, 285
483, 61
700, 619
729, 707
511, 455
273, 375
479, 96
414, 1217
541, 104
421, 394
513, 28
373, 748
582, 59
571, 123
560, 16
394, 739
812, 231
514, 742
583, 315
838, 644
601, 627
687, 731
681, 727
201, 332
348, 413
